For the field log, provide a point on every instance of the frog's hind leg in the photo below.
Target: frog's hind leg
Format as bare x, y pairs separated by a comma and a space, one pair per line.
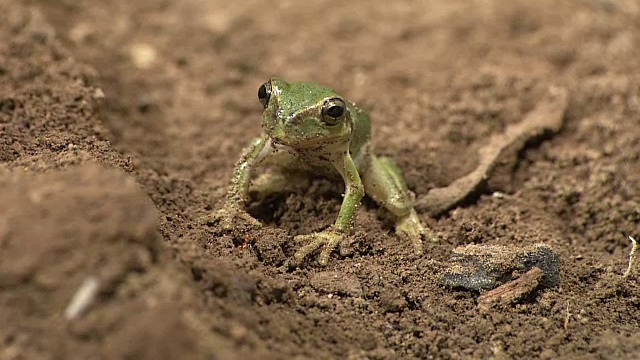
384, 183
276, 181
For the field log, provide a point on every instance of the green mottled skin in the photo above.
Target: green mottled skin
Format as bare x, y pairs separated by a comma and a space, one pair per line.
297, 138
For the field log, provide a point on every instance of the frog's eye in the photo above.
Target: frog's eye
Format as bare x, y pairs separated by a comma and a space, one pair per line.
333, 111
264, 93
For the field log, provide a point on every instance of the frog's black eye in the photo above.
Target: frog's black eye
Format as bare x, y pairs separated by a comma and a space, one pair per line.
333, 111
264, 93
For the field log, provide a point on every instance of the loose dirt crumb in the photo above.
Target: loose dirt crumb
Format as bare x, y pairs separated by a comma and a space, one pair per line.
632, 257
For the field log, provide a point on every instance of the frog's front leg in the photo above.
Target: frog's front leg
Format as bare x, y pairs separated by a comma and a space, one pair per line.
384, 183
233, 208
354, 191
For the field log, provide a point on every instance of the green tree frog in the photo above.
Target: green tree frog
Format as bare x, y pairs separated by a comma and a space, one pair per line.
311, 130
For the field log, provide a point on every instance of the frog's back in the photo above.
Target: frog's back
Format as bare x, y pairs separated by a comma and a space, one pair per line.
361, 135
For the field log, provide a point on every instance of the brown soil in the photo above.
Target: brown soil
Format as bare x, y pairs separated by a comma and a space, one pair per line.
107, 104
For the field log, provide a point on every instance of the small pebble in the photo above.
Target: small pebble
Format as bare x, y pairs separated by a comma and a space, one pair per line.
143, 55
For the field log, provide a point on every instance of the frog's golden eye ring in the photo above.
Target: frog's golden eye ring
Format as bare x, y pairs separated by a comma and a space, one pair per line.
264, 93
333, 111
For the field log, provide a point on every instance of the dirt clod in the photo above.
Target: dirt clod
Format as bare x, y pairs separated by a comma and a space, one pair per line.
105, 215
331, 282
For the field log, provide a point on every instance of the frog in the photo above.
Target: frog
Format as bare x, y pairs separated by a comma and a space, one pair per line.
310, 130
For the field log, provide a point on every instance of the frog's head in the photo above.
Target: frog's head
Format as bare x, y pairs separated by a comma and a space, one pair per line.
304, 115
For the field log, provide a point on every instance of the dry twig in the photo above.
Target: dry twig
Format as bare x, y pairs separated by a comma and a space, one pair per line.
566, 318
546, 117
511, 291
632, 256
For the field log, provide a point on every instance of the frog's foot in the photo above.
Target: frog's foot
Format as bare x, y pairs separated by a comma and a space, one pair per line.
328, 238
411, 228
229, 216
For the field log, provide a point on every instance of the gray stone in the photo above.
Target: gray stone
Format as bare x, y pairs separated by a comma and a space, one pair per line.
478, 267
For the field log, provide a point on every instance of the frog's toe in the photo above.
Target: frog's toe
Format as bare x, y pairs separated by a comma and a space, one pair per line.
411, 228
217, 219
328, 240
227, 218
430, 235
210, 219
311, 246
416, 241
248, 219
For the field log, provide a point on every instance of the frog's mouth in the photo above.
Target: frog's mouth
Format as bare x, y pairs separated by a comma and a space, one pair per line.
309, 142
